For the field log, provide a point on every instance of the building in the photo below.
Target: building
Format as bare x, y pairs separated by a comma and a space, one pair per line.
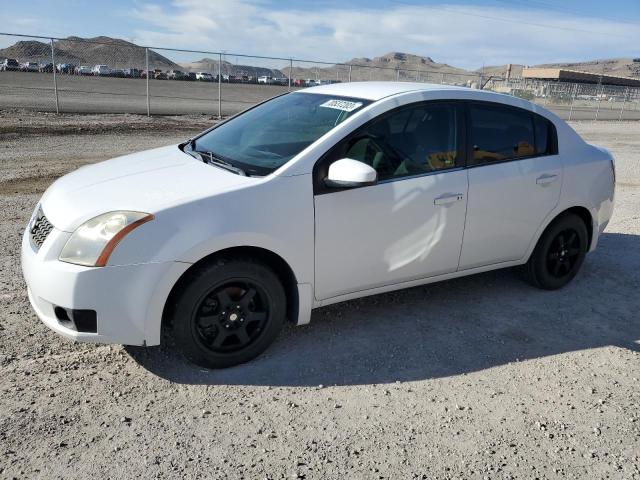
573, 76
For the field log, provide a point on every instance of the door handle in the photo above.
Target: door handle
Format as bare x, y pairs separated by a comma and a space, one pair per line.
448, 198
546, 179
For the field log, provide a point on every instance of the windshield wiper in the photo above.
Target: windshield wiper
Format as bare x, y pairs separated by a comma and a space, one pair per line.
212, 159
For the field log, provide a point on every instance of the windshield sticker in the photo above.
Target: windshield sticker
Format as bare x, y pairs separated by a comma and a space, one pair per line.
344, 105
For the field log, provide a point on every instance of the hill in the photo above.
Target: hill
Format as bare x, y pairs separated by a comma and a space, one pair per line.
407, 64
211, 65
118, 53
91, 51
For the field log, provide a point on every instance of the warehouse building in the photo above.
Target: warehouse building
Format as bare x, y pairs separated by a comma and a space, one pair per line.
572, 76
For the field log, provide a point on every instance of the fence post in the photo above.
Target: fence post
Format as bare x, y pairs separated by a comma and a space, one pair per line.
397, 75
442, 78
624, 100
599, 100
573, 97
350, 73
290, 72
55, 79
417, 75
146, 61
220, 85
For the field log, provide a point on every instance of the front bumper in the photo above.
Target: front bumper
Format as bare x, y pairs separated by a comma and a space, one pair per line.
128, 300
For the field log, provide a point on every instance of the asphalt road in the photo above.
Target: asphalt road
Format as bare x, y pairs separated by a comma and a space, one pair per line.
88, 94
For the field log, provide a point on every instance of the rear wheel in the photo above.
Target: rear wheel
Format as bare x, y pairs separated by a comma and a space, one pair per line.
228, 313
559, 254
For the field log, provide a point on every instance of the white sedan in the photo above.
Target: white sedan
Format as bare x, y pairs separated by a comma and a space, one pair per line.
312, 198
101, 70
204, 77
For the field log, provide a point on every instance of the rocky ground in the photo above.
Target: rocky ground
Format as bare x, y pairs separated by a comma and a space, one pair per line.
481, 377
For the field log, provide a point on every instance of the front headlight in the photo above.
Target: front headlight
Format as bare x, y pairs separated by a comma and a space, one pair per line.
93, 241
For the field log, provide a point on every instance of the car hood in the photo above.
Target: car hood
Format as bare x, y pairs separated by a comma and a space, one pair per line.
147, 181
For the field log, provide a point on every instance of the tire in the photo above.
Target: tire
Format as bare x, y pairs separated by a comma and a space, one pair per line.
228, 312
559, 253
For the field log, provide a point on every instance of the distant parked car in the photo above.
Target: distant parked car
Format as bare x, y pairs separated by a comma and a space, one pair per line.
204, 77
101, 70
65, 68
84, 70
9, 64
265, 80
189, 76
29, 67
45, 68
132, 73
117, 72
158, 74
175, 75
310, 82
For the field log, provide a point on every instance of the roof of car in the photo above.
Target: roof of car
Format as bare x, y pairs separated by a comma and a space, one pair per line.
377, 90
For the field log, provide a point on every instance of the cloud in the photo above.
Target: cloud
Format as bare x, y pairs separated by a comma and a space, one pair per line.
460, 35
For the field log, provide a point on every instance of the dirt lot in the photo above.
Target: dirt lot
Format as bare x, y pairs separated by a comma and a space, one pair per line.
89, 94
482, 377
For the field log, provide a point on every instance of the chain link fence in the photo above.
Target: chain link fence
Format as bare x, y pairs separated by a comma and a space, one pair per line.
114, 76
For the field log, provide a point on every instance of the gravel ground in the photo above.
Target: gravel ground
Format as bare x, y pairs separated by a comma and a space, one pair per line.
480, 377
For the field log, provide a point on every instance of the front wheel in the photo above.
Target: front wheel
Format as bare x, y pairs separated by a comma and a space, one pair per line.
228, 313
559, 253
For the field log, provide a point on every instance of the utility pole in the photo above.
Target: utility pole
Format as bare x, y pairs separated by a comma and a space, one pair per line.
55, 80
220, 85
146, 61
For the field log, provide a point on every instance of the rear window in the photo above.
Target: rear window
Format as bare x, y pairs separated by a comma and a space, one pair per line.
500, 133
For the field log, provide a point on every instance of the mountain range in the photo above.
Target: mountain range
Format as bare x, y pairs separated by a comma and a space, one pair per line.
118, 53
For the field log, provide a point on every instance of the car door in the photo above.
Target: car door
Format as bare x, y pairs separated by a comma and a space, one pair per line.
409, 224
515, 177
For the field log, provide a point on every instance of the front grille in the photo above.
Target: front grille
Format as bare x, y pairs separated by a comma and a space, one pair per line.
40, 229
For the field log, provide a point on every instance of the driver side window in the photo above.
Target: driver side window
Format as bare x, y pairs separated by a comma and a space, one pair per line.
410, 141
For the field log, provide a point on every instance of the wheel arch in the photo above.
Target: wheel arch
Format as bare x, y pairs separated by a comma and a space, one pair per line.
585, 215
279, 265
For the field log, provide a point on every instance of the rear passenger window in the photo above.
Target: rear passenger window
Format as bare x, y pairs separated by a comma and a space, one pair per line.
545, 136
499, 133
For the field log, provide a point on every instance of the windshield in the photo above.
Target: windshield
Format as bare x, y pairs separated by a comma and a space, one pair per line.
266, 137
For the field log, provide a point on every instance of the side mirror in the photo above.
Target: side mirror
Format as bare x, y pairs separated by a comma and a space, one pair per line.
348, 173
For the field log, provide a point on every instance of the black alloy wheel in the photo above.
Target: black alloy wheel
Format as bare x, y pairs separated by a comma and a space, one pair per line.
228, 312
559, 253
563, 253
231, 316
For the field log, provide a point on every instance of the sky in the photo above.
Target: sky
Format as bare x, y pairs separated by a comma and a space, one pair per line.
464, 33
